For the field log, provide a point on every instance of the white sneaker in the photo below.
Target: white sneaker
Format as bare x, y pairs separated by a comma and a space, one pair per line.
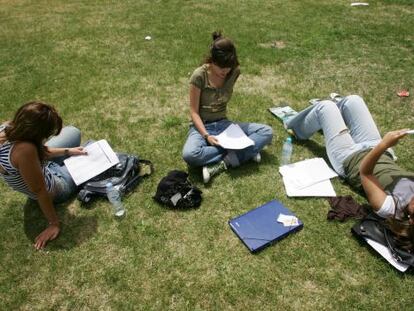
257, 158
335, 97
214, 169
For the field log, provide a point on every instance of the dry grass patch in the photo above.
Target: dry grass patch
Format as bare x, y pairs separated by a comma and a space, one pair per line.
277, 44
267, 84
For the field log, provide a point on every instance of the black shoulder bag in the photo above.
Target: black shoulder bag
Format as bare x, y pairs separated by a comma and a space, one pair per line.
373, 227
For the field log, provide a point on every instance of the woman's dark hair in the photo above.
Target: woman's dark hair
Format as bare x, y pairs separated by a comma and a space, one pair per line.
34, 122
402, 233
402, 230
222, 52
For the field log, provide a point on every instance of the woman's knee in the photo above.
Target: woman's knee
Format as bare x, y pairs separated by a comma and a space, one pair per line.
70, 131
267, 133
326, 105
353, 101
193, 157
68, 137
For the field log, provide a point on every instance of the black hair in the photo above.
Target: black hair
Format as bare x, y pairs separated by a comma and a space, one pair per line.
34, 122
222, 52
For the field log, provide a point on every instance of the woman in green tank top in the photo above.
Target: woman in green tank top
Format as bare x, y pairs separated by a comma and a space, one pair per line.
211, 88
359, 154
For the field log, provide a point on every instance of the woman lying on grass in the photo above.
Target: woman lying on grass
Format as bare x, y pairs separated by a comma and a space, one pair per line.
211, 87
359, 154
24, 165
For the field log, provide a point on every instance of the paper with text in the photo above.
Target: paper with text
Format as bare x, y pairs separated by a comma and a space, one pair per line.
98, 159
233, 137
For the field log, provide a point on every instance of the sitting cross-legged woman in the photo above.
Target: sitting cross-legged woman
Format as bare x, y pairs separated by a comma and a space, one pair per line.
211, 87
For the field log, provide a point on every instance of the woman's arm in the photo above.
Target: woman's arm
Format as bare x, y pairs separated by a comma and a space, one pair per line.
25, 158
195, 115
58, 152
374, 191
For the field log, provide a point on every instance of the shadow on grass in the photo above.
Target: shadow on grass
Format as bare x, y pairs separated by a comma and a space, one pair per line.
317, 149
374, 253
270, 161
74, 230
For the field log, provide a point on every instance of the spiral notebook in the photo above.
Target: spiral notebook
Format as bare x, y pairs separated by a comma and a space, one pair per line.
260, 227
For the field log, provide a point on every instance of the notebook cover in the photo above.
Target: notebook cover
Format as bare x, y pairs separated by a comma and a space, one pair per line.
259, 228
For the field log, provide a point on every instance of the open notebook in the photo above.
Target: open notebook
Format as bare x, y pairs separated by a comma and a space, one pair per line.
260, 227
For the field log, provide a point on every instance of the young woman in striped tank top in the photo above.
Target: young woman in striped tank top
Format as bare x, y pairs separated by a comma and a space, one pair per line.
24, 155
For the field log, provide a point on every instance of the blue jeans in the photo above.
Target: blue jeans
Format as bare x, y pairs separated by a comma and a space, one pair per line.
348, 127
197, 152
65, 188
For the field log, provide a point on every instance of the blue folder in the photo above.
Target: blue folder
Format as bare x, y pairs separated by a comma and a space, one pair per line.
259, 228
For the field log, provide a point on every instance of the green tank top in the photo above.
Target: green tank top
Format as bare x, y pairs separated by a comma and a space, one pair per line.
213, 101
386, 171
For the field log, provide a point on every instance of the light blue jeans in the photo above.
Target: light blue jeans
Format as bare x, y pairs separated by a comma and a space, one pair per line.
65, 188
348, 127
197, 152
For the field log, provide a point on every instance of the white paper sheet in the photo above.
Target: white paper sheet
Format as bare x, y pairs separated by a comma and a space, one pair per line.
385, 252
233, 137
321, 189
98, 159
306, 173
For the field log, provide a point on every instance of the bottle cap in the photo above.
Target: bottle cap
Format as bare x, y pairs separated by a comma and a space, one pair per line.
289, 139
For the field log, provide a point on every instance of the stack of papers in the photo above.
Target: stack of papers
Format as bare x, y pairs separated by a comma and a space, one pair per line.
308, 178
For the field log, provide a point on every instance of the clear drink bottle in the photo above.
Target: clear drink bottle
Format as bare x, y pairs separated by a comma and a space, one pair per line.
286, 152
115, 198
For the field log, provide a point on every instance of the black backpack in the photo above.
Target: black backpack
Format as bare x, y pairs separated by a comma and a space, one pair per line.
373, 227
176, 191
125, 176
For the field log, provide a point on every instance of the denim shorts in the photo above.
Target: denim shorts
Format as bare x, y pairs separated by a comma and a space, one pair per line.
64, 188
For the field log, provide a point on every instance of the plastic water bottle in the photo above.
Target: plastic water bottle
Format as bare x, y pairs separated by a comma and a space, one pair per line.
115, 198
286, 151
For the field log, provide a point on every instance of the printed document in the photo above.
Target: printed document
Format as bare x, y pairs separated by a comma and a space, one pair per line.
98, 159
308, 178
233, 137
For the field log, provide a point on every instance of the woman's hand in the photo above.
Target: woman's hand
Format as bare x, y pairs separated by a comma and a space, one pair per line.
391, 138
212, 141
50, 233
77, 151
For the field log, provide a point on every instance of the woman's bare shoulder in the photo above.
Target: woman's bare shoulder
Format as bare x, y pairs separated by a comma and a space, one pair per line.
24, 146
23, 150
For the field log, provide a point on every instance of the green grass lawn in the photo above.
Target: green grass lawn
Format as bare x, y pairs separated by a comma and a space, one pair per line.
90, 59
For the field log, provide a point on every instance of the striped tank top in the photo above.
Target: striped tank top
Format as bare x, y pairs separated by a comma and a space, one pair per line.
13, 177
